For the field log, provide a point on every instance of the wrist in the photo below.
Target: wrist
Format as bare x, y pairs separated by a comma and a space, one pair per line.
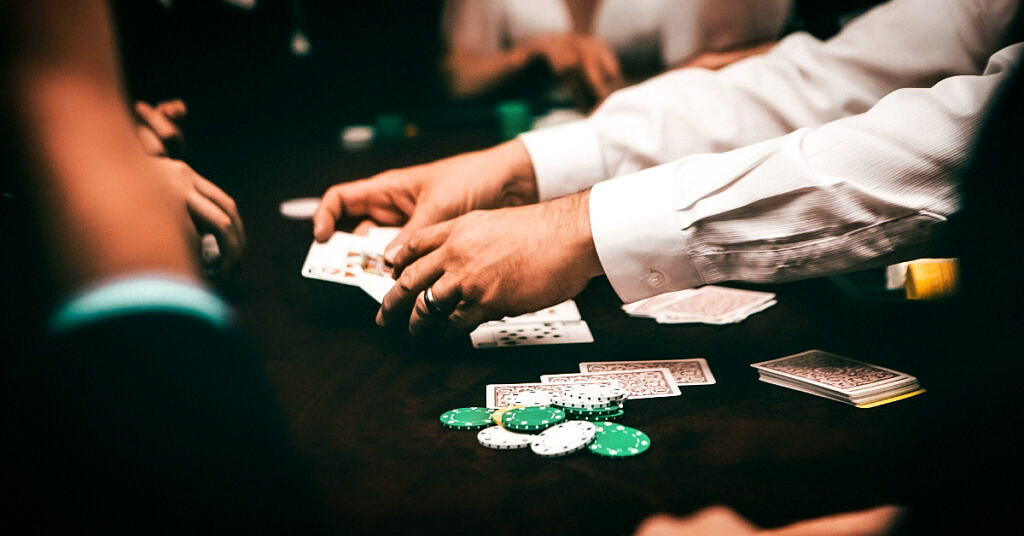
520, 185
577, 221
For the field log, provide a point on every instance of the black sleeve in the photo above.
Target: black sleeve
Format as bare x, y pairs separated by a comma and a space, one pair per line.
157, 422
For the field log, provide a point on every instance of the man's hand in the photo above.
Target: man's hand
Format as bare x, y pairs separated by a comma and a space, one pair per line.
489, 264
210, 209
423, 195
585, 63
158, 129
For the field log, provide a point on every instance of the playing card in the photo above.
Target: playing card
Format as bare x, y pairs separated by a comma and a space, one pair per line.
684, 371
833, 372
563, 312
669, 317
498, 393
715, 302
708, 304
505, 335
338, 260
353, 260
641, 383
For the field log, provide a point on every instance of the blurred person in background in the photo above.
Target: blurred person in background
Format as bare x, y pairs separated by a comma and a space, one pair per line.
585, 49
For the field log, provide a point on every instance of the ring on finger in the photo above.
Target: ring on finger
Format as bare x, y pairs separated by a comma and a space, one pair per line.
431, 303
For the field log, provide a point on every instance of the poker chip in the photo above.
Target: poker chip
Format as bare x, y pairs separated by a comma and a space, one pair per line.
530, 398
496, 437
618, 441
532, 418
471, 418
301, 208
597, 412
498, 413
596, 418
562, 439
591, 396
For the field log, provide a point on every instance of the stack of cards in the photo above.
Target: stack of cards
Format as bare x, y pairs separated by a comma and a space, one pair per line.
356, 260
838, 378
641, 379
558, 324
707, 305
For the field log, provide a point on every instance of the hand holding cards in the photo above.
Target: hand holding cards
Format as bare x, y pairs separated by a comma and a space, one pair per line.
359, 261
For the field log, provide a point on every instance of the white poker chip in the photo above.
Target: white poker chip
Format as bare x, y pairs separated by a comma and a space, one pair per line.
497, 437
591, 396
530, 398
302, 208
565, 438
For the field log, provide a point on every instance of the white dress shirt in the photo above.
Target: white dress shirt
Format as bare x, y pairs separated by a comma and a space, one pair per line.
812, 159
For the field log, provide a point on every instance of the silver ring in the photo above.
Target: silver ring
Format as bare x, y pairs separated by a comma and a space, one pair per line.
428, 300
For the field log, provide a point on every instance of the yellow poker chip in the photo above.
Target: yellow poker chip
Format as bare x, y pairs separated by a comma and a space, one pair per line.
496, 416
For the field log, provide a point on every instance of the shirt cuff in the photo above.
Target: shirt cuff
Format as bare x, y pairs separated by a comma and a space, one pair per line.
566, 158
638, 236
148, 293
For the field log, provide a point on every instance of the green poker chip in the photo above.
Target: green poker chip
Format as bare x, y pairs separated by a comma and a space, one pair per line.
618, 441
593, 418
532, 418
471, 418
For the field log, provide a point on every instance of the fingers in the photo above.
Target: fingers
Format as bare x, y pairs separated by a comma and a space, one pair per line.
413, 243
162, 125
364, 227
226, 204
210, 216
346, 199
414, 279
174, 109
600, 67
425, 322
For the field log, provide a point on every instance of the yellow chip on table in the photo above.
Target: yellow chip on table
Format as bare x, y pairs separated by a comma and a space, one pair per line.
496, 416
932, 279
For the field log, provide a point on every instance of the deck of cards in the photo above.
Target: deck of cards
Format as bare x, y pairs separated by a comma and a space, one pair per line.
838, 378
706, 305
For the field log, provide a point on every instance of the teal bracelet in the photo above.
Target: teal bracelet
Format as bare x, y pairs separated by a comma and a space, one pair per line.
141, 294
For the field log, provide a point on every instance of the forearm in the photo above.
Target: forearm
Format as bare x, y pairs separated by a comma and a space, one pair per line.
95, 190
801, 82
812, 203
470, 74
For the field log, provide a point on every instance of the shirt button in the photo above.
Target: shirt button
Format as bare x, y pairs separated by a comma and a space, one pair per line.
655, 279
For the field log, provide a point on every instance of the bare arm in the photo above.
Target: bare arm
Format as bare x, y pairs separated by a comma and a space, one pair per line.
88, 171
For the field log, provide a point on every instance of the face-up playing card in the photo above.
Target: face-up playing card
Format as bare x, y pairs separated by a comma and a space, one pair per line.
505, 335
339, 259
641, 383
353, 260
563, 312
498, 394
816, 368
684, 371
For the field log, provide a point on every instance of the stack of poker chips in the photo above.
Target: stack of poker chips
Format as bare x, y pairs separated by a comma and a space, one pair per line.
574, 420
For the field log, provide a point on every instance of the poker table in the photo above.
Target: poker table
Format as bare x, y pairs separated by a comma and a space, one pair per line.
364, 402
